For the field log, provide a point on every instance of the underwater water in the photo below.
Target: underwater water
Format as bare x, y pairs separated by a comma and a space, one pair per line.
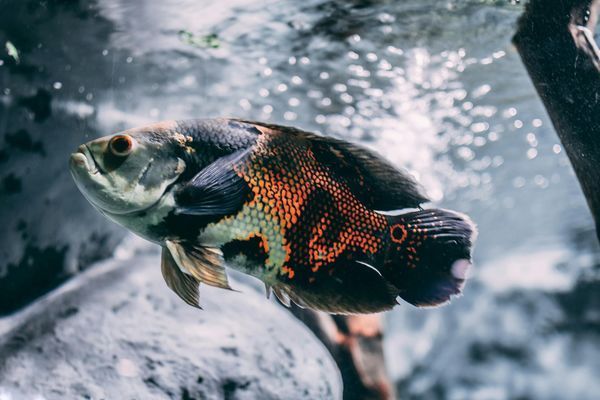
434, 86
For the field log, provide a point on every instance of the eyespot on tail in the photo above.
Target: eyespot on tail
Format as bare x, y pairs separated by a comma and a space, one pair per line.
429, 255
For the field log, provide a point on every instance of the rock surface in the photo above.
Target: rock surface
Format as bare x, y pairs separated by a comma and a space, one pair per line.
117, 332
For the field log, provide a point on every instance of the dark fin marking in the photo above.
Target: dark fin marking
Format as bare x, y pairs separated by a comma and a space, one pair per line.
376, 183
204, 264
267, 290
215, 190
352, 288
429, 255
185, 286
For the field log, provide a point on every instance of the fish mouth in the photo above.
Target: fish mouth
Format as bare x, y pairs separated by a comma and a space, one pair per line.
97, 166
83, 157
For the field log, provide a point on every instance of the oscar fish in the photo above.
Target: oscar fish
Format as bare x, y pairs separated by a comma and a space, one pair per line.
324, 223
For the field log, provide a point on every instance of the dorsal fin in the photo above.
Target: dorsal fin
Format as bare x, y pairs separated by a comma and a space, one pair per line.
372, 179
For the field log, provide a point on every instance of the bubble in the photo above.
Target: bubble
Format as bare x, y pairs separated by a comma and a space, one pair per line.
262, 61
263, 92
320, 119
304, 60
371, 57
296, 80
294, 102
518, 124
481, 91
267, 109
324, 75
326, 101
541, 181
290, 116
129, 60
267, 71
385, 65
536, 123
395, 50
386, 18
245, 104
57, 85
292, 60
556, 149
340, 87
532, 153
497, 161
346, 98
459, 94
282, 87
104, 52
531, 139
493, 136
386, 29
518, 182
374, 92
355, 38
479, 141
499, 54
509, 112
480, 127
465, 153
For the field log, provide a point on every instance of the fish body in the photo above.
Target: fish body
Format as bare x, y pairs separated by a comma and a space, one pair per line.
306, 214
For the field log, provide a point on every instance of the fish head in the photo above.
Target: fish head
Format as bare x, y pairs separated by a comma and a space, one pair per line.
129, 171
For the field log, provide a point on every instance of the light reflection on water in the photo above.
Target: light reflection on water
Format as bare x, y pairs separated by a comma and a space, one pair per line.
434, 86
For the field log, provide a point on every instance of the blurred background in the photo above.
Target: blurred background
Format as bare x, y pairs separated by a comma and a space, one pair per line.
433, 85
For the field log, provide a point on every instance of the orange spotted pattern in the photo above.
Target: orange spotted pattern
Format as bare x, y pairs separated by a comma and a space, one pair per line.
320, 220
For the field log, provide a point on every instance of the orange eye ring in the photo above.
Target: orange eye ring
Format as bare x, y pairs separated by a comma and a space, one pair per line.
121, 145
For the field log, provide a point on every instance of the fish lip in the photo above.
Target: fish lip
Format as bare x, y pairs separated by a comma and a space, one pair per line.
81, 158
88, 152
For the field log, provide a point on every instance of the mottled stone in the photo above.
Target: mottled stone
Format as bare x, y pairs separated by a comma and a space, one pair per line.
117, 331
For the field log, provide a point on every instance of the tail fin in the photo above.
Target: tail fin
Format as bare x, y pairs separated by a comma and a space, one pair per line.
429, 255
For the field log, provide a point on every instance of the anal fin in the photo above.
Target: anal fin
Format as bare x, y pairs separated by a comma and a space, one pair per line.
185, 286
282, 295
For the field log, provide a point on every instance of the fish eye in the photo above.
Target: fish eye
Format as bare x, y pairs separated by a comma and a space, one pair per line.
121, 145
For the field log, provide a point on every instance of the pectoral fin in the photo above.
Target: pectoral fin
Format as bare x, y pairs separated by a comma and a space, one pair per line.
204, 264
185, 286
216, 190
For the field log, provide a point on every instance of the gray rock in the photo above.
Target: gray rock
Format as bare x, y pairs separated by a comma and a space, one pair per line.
117, 332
